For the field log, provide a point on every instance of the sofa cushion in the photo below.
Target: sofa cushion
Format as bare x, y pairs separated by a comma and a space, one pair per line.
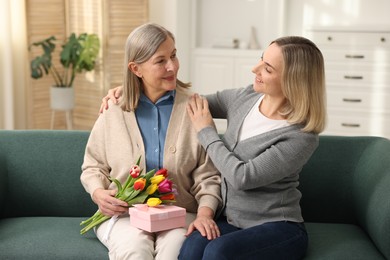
48, 238
339, 242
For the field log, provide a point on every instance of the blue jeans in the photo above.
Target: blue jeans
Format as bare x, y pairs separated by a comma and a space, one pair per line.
273, 240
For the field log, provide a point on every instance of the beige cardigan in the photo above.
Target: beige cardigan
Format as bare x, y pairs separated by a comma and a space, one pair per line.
115, 143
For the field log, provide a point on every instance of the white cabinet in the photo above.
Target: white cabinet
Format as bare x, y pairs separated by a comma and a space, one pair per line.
218, 69
215, 70
357, 65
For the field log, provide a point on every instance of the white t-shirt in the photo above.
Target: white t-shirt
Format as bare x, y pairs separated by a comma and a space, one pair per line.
256, 123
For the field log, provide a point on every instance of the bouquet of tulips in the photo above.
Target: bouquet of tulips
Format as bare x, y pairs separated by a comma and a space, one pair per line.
154, 188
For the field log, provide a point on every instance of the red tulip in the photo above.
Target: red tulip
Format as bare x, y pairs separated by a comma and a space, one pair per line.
169, 196
140, 184
163, 172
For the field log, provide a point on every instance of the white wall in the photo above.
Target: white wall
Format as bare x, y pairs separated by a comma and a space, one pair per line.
13, 64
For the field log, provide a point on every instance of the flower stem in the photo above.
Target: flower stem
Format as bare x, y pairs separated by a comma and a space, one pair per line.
100, 218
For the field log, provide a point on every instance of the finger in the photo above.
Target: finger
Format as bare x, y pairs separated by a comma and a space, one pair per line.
210, 232
104, 104
115, 209
199, 102
114, 201
190, 111
205, 103
201, 229
217, 231
118, 202
192, 104
117, 92
114, 98
190, 229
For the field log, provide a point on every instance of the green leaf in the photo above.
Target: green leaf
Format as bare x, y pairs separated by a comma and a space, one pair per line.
78, 54
139, 160
41, 64
129, 194
139, 199
118, 185
90, 46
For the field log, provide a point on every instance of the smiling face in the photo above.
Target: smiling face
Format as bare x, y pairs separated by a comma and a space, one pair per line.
159, 73
269, 72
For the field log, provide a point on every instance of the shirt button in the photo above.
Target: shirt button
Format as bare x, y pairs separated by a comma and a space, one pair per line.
156, 150
155, 129
172, 149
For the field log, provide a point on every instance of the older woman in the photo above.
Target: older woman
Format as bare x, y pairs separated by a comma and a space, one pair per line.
151, 121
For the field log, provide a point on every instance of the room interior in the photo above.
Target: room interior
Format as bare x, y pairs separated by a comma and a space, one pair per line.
344, 185
213, 40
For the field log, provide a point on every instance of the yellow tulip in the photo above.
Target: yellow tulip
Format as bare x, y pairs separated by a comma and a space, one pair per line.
156, 179
152, 202
152, 189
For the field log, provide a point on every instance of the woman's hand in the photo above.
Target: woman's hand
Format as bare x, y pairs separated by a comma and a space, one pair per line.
205, 224
112, 94
108, 204
198, 110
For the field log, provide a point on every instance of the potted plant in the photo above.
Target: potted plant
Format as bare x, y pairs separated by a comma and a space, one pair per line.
79, 53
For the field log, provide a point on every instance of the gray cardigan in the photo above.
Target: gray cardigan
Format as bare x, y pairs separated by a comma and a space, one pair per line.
260, 174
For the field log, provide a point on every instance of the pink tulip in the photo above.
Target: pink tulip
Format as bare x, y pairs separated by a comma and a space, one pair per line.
165, 186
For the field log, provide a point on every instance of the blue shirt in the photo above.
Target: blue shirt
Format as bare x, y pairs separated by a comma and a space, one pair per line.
153, 122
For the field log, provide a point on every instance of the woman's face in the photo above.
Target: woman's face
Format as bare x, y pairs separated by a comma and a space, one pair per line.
159, 73
269, 72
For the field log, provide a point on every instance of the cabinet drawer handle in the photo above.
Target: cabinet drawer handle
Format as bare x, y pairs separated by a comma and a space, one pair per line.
350, 125
348, 56
353, 100
353, 77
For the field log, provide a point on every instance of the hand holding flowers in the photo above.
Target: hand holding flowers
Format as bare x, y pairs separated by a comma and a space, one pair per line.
154, 187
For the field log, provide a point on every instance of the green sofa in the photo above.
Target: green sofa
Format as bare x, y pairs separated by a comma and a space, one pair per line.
345, 186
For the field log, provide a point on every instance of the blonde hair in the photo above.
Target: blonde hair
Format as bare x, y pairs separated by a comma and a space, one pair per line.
141, 45
303, 83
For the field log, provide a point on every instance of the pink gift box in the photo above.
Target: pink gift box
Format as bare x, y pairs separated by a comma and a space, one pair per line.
154, 219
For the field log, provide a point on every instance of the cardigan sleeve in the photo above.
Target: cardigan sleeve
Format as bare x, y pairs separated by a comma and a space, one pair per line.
268, 162
95, 169
207, 184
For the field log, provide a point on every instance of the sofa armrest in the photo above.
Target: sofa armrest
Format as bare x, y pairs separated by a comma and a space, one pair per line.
3, 183
371, 189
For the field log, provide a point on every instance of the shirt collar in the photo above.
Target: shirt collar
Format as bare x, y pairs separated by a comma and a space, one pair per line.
169, 95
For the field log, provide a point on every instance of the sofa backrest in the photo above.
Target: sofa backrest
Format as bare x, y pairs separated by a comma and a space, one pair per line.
326, 181
40, 173
347, 180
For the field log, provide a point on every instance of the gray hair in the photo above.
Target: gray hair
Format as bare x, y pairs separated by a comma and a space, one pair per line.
141, 45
